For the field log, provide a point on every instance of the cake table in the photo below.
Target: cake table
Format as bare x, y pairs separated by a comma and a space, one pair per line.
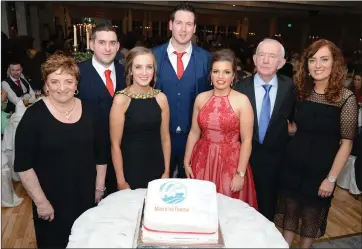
112, 224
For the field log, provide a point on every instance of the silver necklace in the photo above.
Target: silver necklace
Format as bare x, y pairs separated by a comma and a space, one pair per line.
68, 116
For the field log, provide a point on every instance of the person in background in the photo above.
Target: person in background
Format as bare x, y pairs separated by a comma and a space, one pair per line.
139, 125
356, 86
17, 87
325, 126
287, 69
36, 59
59, 154
219, 144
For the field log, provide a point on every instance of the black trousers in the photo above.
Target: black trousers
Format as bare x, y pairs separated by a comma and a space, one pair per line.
178, 144
265, 166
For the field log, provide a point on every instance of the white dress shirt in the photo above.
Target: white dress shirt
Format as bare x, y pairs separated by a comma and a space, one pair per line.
101, 69
173, 57
260, 92
12, 97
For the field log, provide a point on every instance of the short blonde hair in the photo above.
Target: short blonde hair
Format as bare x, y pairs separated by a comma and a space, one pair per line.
60, 61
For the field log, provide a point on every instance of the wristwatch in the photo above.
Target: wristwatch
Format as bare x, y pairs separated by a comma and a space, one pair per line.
240, 173
331, 179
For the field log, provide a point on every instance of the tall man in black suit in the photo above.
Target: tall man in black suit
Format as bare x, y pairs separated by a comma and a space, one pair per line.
272, 97
100, 78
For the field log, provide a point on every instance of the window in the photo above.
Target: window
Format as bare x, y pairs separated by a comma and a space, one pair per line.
231, 31
210, 29
164, 29
221, 30
200, 31
155, 29
137, 26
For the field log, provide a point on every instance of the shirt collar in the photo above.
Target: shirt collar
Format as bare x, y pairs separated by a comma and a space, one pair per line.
171, 49
100, 68
259, 81
13, 79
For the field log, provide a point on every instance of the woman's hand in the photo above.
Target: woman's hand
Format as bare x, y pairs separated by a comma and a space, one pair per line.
326, 188
188, 171
237, 183
123, 185
45, 210
165, 175
99, 194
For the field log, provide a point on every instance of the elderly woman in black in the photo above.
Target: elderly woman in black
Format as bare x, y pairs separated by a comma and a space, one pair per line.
59, 155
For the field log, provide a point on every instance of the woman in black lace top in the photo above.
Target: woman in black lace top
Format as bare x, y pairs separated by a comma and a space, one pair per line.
325, 124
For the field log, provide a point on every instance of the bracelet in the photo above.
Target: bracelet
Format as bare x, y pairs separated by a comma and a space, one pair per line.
101, 190
187, 166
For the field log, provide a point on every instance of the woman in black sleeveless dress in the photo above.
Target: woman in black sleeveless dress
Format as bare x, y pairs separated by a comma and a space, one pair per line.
326, 122
139, 125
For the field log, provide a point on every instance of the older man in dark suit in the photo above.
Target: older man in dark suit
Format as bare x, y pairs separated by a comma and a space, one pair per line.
100, 78
272, 97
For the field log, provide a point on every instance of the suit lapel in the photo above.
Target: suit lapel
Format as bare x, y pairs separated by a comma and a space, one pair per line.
282, 90
101, 88
119, 77
250, 91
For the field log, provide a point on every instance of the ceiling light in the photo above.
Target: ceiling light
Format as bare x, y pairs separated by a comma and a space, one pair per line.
233, 5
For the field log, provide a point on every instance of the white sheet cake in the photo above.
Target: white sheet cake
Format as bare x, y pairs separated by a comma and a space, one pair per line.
180, 210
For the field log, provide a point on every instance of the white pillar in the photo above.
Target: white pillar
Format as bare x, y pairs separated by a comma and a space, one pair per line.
4, 19
21, 18
34, 18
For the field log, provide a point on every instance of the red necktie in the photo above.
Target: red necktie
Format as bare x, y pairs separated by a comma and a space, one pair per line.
109, 82
19, 84
180, 64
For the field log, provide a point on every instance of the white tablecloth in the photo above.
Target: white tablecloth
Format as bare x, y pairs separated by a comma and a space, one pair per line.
112, 224
347, 177
8, 142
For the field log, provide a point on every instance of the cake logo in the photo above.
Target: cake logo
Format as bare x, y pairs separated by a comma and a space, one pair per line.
173, 192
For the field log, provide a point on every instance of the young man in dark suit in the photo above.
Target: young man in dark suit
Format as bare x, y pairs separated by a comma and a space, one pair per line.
100, 78
272, 97
183, 71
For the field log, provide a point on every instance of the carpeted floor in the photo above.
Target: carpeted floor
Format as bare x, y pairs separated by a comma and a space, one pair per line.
346, 242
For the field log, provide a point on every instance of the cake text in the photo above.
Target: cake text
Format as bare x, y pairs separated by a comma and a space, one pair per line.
171, 209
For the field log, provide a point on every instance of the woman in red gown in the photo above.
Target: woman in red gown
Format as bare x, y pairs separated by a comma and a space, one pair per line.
219, 144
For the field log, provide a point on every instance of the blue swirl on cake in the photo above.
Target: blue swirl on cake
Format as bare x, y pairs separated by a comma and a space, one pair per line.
173, 192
